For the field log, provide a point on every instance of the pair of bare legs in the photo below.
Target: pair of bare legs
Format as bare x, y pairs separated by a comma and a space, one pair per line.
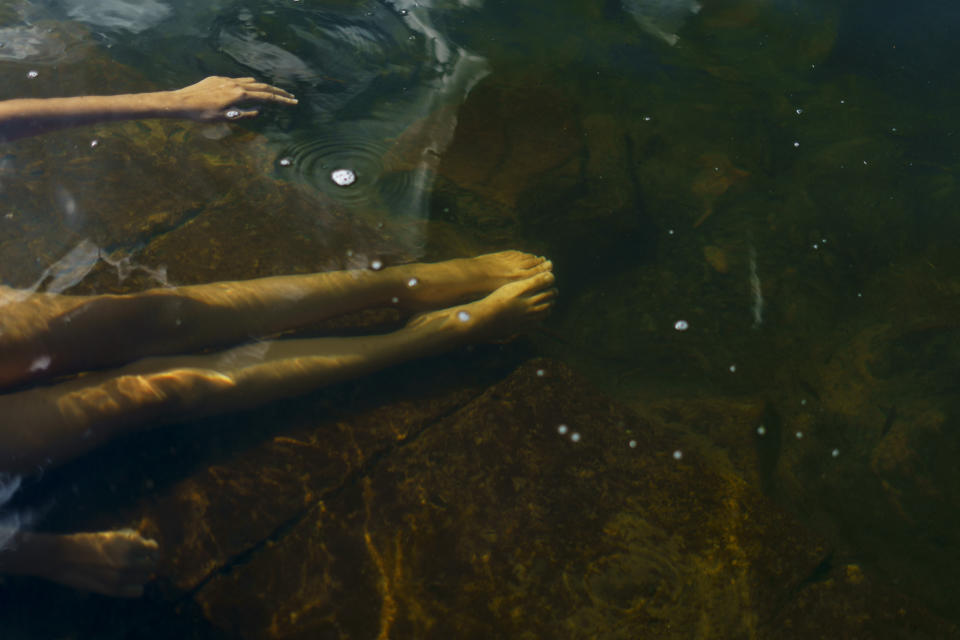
141, 337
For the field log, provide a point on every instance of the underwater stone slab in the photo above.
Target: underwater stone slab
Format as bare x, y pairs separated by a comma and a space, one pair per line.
491, 523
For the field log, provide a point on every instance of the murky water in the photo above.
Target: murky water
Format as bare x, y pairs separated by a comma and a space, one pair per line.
751, 207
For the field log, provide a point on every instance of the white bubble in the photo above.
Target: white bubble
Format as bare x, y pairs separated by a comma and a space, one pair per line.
574, 437
40, 364
670, 232
32, 74
285, 162
796, 143
646, 118
799, 111
562, 429
376, 265
799, 435
816, 246
835, 453
463, 316
233, 114
677, 455
394, 300
803, 402
681, 325
403, 12
733, 368
412, 282
761, 430
94, 143
343, 177
633, 444
541, 373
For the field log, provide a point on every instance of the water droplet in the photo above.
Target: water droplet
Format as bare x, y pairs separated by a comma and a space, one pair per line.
463, 316
796, 143
799, 435
32, 74
395, 300
633, 444
835, 453
761, 430
562, 429
343, 177
677, 455
803, 402
403, 12
376, 265
646, 118
285, 162
670, 232
541, 373
349, 253
94, 143
233, 114
733, 368
412, 282
799, 111
574, 437
816, 246
681, 325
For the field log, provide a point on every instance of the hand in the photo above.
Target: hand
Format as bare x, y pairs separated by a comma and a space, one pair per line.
218, 98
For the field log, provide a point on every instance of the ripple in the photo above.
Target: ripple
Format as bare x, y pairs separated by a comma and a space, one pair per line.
314, 160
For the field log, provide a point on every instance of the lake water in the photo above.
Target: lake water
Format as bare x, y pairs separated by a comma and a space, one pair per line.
752, 209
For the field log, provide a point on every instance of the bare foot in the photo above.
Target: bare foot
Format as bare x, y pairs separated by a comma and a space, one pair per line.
508, 310
443, 284
112, 563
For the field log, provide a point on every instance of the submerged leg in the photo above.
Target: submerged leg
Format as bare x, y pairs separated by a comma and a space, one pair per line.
42, 336
113, 563
49, 425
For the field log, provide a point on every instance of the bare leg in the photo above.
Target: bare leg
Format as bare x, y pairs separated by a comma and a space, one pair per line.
113, 563
42, 336
49, 425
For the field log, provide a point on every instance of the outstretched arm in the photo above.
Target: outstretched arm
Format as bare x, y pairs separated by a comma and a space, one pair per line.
211, 99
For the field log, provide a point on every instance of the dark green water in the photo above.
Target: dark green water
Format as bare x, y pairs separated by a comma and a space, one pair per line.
760, 217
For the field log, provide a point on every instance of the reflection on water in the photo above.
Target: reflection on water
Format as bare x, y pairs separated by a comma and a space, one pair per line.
751, 209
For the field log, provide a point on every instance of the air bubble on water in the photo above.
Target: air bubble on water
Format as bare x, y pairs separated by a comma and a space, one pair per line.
761, 430
733, 368
285, 162
94, 143
343, 177
799, 111
32, 74
646, 118
463, 316
403, 12
796, 143
799, 435
633, 444
677, 455
541, 373
40, 364
670, 232
412, 282
816, 246
835, 453
681, 325
574, 437
376, 265
562, 429
395, 300
803, 402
